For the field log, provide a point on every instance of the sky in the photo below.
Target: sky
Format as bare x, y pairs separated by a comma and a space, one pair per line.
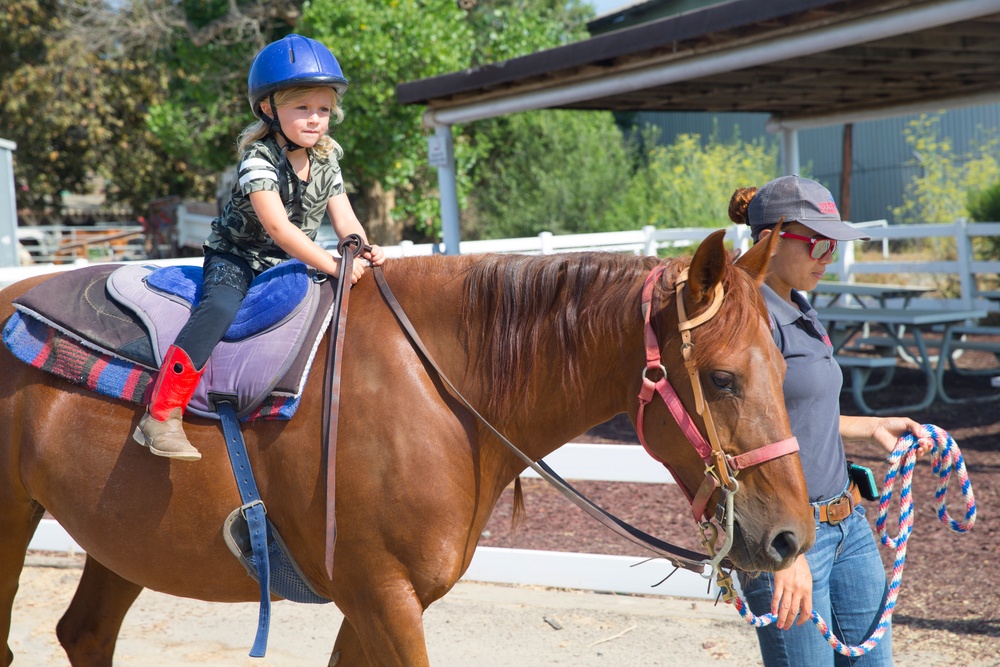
605, 6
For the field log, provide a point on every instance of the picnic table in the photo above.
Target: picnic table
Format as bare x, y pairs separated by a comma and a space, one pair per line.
991, 295
905, 330
861, 293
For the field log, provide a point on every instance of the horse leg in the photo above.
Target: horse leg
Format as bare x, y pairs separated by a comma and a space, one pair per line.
17, 525
88, 631
347, 650
386, 634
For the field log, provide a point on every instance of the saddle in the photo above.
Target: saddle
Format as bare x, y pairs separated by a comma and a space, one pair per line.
106, 327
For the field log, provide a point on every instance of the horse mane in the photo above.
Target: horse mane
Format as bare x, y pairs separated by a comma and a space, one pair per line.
522, 306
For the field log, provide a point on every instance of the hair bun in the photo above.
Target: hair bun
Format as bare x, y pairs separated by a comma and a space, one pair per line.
739, 203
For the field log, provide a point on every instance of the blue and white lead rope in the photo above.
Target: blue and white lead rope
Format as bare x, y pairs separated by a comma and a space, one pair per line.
947, 460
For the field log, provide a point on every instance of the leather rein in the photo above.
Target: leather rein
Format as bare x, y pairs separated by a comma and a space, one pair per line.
721, 469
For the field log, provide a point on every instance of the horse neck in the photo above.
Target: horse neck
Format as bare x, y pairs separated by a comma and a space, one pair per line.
565, 392
555, 409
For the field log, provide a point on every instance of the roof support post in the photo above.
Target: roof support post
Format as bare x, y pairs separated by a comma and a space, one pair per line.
789, 151
443, 156
8, 206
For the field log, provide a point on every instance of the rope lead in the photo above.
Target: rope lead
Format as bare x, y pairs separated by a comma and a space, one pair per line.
947, 460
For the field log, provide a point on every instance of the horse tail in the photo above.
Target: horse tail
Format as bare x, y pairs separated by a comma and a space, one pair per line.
517, 513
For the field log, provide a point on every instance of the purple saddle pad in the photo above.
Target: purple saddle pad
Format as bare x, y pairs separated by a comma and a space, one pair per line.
106, 327
248, 367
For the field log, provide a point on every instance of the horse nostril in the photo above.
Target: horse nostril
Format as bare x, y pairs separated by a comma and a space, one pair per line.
785, 544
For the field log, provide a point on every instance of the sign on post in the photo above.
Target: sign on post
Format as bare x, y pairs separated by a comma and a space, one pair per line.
437, 152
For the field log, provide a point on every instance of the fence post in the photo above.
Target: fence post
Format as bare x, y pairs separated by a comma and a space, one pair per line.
743, 238
545, 238
846, 260
966, 279
8, 206
649, 244
406, 247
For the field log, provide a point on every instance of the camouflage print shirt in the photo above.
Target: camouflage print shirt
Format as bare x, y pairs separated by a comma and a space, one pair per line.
238, 231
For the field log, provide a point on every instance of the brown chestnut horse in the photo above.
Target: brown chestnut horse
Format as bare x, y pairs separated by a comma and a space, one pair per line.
546, 347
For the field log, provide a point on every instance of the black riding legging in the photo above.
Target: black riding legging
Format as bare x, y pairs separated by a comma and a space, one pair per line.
226, 281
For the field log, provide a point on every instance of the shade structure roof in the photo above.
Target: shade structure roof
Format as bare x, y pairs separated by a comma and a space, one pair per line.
805, 62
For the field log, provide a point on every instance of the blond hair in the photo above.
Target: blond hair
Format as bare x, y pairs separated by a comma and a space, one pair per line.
259, 129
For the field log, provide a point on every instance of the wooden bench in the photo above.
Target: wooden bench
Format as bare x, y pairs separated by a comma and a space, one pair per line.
860, 371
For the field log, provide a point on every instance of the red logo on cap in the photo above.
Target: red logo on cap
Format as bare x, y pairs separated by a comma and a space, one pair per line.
828, 207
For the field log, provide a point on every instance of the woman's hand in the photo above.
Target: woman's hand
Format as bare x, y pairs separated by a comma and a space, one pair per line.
885, 431
792, 594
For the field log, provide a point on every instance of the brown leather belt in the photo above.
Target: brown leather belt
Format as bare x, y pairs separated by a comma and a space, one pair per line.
836, 510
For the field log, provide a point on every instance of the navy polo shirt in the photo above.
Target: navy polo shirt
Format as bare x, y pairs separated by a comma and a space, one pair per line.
812, 393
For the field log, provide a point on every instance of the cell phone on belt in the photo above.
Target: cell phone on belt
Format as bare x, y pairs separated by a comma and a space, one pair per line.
864, 480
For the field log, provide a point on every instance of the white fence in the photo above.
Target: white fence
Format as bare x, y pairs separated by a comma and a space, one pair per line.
595, 572
965, 267
193, 228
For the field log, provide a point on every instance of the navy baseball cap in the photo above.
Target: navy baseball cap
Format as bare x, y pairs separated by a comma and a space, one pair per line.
800, 200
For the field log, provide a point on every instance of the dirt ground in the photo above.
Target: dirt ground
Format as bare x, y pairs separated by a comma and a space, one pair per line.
481, 624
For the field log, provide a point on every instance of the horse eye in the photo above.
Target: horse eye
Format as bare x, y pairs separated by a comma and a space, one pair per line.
723, 381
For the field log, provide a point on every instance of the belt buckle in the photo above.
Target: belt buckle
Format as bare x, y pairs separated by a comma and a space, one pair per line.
837, 506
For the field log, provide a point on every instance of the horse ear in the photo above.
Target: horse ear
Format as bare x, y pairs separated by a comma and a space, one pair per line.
758, 257
708, 266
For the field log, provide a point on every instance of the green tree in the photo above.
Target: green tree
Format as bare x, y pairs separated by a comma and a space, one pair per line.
561, 171
378, 46
984, 206
148, 94
382, 44
54, 103
694, 181
940, 192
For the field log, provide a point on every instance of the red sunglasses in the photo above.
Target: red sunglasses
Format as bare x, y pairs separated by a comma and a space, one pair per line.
818, 248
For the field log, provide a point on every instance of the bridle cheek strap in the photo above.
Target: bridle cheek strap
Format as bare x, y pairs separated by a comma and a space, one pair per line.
721, 468
663, 386
681, 416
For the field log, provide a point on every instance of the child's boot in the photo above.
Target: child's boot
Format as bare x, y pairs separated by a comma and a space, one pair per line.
161, 428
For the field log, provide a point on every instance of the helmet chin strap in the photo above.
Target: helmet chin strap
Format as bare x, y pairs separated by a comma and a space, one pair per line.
275, 126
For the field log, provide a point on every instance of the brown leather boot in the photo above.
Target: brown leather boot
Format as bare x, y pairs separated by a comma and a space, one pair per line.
161, 428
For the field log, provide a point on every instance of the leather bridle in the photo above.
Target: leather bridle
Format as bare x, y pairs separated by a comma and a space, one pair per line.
723, 473
721, 469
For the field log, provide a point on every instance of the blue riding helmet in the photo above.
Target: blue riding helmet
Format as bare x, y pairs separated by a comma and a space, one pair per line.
289, 62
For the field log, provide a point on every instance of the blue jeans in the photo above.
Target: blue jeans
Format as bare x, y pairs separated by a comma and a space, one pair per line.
849, 587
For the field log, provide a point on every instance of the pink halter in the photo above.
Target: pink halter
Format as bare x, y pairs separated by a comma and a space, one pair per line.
721, 469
